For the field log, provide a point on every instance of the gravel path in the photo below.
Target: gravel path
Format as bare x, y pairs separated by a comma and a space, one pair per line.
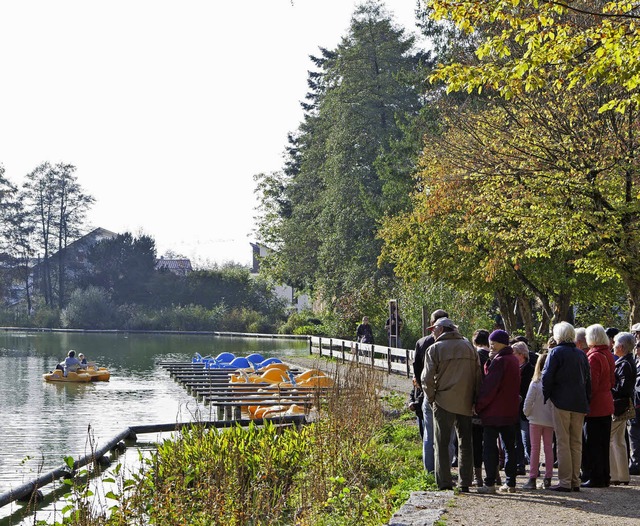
614, 506
618, 505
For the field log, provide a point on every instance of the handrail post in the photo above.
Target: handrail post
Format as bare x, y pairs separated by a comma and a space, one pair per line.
406, 352
310, 345
389, 361
342, 351
330, 347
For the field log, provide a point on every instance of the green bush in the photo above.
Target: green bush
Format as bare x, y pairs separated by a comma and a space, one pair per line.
90, 308
304, 322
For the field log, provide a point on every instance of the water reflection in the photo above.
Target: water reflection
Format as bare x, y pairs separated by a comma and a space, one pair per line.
41, 422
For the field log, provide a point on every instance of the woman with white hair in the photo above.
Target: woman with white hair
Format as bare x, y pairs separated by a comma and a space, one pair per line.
566, 384
596, 433
623, 392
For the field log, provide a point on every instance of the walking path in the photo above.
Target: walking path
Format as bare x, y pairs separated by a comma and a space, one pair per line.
614, 506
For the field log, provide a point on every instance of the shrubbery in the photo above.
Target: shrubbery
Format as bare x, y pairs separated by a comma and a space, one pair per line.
350, 467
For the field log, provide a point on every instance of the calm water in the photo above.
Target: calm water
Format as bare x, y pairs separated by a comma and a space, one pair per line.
42, 422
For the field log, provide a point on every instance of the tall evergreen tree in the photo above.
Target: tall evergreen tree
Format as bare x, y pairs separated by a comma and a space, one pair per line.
360, 95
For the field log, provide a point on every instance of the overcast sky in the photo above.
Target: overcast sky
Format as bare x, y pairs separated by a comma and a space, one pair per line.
166, 108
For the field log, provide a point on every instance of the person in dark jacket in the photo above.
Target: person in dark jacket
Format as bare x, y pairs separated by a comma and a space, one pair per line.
499, 408
364, 332
633, 426
523, 443
416, 399
623, 393
566, 383
480, 341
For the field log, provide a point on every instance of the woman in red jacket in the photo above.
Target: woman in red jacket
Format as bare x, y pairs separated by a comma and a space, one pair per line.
597, 424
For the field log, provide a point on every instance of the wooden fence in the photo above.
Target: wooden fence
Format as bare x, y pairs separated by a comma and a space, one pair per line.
389, 359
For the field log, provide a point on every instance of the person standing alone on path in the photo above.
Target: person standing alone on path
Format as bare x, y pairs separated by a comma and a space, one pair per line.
566, 384
451, 378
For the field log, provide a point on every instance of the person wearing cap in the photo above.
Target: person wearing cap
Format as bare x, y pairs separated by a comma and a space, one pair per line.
83, 359
427, 414
451, 378
566, 384
499, 408
633, 426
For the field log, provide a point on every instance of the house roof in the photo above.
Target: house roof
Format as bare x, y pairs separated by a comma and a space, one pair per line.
183, 265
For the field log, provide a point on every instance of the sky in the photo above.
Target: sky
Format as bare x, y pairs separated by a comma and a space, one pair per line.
166, 108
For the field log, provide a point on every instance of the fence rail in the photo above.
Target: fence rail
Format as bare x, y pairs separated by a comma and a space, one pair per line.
390, 359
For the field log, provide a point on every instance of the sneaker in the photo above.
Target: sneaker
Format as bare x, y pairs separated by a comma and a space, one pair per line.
546, 483
531, 484
487, 490
507, 489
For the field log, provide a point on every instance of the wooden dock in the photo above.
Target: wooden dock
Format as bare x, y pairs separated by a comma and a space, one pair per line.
233, 399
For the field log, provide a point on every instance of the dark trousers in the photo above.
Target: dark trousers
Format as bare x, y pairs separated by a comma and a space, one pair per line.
490, 453
478, 432
443, 423
596, 436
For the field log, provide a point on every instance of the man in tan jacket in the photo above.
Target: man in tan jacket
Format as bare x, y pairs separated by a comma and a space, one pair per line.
451, 379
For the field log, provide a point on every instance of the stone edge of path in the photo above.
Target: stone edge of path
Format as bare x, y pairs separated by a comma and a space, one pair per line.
423, 508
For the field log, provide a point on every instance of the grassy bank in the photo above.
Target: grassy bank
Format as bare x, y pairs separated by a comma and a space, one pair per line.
352, 466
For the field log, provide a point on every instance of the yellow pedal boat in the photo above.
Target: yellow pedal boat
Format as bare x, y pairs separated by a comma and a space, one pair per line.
58, 376
98, 374
90, 374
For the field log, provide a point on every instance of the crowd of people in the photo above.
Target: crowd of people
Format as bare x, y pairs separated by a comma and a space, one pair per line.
492, 405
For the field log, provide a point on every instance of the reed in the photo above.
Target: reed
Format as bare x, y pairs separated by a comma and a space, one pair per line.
350, 466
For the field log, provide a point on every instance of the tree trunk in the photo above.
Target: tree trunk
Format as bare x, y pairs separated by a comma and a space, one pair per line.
633, 297
505, 306
526, 313
563, 309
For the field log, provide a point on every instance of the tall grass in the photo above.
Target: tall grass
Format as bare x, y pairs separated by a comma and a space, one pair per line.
349, 467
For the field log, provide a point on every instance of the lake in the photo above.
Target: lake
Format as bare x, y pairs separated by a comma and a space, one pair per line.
43, 422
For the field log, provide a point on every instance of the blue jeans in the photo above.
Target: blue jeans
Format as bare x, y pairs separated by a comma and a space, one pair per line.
428, 438
428, 444
523, 444
490, 453
633, 427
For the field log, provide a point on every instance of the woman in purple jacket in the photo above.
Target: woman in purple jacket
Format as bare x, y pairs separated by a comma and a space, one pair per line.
498, 406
